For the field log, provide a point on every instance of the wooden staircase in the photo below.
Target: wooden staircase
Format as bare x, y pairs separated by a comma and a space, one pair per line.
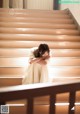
21, 30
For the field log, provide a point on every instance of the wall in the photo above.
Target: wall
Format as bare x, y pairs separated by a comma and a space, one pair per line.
75, 10
40, 4
29, 4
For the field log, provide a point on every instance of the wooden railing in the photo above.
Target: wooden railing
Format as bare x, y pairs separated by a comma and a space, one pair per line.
31, 91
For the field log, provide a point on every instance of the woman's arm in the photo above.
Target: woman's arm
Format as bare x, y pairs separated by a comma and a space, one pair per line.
35, 60
40, 60
43, 61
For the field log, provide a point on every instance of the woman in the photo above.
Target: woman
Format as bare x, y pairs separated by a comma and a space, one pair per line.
37, 71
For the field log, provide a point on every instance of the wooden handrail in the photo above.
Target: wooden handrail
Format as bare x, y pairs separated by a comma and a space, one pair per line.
31, 91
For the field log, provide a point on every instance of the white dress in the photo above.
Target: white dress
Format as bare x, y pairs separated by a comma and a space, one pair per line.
35, 73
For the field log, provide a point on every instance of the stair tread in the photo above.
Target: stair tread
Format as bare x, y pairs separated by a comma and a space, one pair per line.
37, 25
35, 20
36, 37
30, 44
39, 31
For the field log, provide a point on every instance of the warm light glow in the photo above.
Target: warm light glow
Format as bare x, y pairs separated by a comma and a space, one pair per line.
66, 104
59, 32
57, 104
61, 104
15, 104
62, 43
23, 61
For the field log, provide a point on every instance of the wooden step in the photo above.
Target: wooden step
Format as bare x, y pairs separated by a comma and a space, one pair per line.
38, 31
19, 52
6, 10
30, 44
35, 20
22, 61
12, 72
37, 15
10, 81
65, 72
37, 25
39, 37
64, 61
54, 72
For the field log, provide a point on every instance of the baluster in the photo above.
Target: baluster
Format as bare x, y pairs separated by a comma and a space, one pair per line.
71, 102
52, 104
30, 106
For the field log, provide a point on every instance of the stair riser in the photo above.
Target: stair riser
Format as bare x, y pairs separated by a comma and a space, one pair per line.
20, 62
4, 52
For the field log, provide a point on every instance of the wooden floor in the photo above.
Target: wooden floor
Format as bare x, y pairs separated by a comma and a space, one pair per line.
21, 30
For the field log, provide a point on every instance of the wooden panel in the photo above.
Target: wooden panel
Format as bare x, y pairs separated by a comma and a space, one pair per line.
10, 81
30, 44
19, 52
61, 109
37, 25
17, 109
36, 37
22, 61
38, 31
35, 20
62, 98
78, 96
41, 15
77, 109
54, 72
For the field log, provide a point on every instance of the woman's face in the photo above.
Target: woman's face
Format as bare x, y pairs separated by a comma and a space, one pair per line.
45, 54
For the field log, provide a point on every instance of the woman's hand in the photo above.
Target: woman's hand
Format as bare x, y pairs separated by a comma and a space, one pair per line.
43, 62
46, 57
40, 60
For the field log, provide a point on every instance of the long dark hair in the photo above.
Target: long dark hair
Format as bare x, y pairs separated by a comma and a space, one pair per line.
41, 50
